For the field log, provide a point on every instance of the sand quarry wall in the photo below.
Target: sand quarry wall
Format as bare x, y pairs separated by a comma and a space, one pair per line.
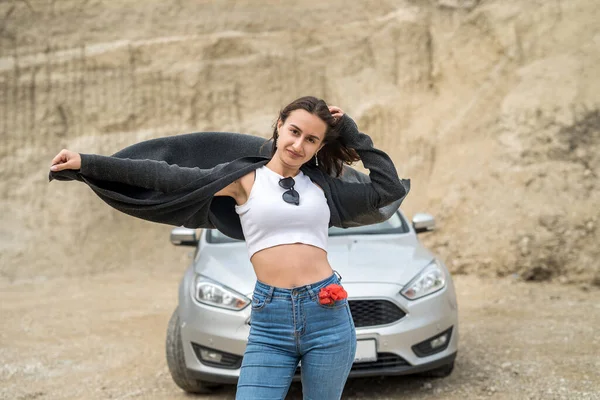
492, 108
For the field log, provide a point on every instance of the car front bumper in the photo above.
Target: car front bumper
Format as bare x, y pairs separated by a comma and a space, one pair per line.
227, 331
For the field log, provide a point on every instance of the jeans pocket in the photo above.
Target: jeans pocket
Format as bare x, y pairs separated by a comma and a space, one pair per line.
336, 305
259, 301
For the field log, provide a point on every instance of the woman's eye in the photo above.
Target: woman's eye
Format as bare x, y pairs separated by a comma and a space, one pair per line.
312, 140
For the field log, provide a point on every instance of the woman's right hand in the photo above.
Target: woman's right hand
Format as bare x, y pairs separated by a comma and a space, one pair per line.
66, 160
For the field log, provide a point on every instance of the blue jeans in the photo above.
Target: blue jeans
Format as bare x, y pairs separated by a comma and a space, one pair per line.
288, 326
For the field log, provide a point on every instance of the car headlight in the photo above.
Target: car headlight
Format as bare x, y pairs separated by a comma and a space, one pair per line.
431, 279
212, 293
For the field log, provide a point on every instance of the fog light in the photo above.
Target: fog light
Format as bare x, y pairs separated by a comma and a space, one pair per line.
434, 344
216, 358
211, 356
440, 341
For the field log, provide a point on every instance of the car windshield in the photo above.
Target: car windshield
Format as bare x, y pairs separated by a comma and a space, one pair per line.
396, 224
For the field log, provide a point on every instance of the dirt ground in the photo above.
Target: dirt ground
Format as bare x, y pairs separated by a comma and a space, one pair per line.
102, 337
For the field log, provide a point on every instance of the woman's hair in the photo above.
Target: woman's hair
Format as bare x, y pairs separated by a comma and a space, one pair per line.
334, 154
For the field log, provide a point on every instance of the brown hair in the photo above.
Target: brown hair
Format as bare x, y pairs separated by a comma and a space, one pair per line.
334, 154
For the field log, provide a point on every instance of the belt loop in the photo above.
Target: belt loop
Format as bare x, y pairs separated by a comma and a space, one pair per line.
311, 292
313, 295
338, 275
270, 294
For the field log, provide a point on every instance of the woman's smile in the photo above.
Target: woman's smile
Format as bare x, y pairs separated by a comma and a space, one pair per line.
294, 154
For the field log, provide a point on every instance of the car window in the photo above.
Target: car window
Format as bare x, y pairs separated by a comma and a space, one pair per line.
396, 224
215, 236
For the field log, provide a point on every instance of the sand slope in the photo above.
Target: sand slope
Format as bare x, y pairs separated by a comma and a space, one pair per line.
491, 107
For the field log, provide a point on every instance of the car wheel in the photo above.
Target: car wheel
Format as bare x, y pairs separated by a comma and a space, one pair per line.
439, 372
176, 361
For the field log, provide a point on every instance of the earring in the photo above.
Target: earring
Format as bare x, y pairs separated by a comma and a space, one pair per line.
316, 159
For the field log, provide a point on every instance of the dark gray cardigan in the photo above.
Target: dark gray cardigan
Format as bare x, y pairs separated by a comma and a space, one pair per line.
173, 179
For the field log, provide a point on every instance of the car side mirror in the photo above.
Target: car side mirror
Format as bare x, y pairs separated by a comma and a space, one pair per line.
184, 237
423, 222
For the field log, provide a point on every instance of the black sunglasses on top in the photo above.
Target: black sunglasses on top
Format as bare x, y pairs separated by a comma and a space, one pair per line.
290, 195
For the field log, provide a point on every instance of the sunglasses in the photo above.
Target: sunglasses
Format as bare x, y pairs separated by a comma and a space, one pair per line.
290, 195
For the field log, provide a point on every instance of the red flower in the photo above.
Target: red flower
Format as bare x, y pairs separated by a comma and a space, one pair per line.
331, 293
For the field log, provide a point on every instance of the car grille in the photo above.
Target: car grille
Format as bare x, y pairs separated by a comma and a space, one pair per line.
384, 361
374, 312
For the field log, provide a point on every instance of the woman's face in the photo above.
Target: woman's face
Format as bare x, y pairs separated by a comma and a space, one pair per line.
300, 137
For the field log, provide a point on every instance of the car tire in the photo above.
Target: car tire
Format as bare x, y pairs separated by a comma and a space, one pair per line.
176, 361
439, 372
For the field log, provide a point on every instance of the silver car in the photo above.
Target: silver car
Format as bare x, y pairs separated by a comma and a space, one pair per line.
401, 296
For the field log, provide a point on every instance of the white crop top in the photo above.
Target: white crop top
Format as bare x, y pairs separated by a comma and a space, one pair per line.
267, 220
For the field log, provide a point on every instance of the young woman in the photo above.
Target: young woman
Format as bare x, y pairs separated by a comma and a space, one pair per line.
283, 205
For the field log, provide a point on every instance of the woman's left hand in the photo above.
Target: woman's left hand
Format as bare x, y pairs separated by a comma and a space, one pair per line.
336, 112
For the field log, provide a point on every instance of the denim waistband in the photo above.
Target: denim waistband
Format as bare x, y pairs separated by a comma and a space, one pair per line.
297, 292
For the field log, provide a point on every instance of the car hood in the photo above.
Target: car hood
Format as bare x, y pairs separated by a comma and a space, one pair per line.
386, 259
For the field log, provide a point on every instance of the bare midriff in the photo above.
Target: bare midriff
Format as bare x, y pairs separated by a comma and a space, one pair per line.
291, 265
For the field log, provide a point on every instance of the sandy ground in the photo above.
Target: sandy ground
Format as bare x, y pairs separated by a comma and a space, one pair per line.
102, 337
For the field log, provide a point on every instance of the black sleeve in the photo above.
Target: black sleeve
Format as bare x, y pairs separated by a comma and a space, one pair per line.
149, 174
385, 187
